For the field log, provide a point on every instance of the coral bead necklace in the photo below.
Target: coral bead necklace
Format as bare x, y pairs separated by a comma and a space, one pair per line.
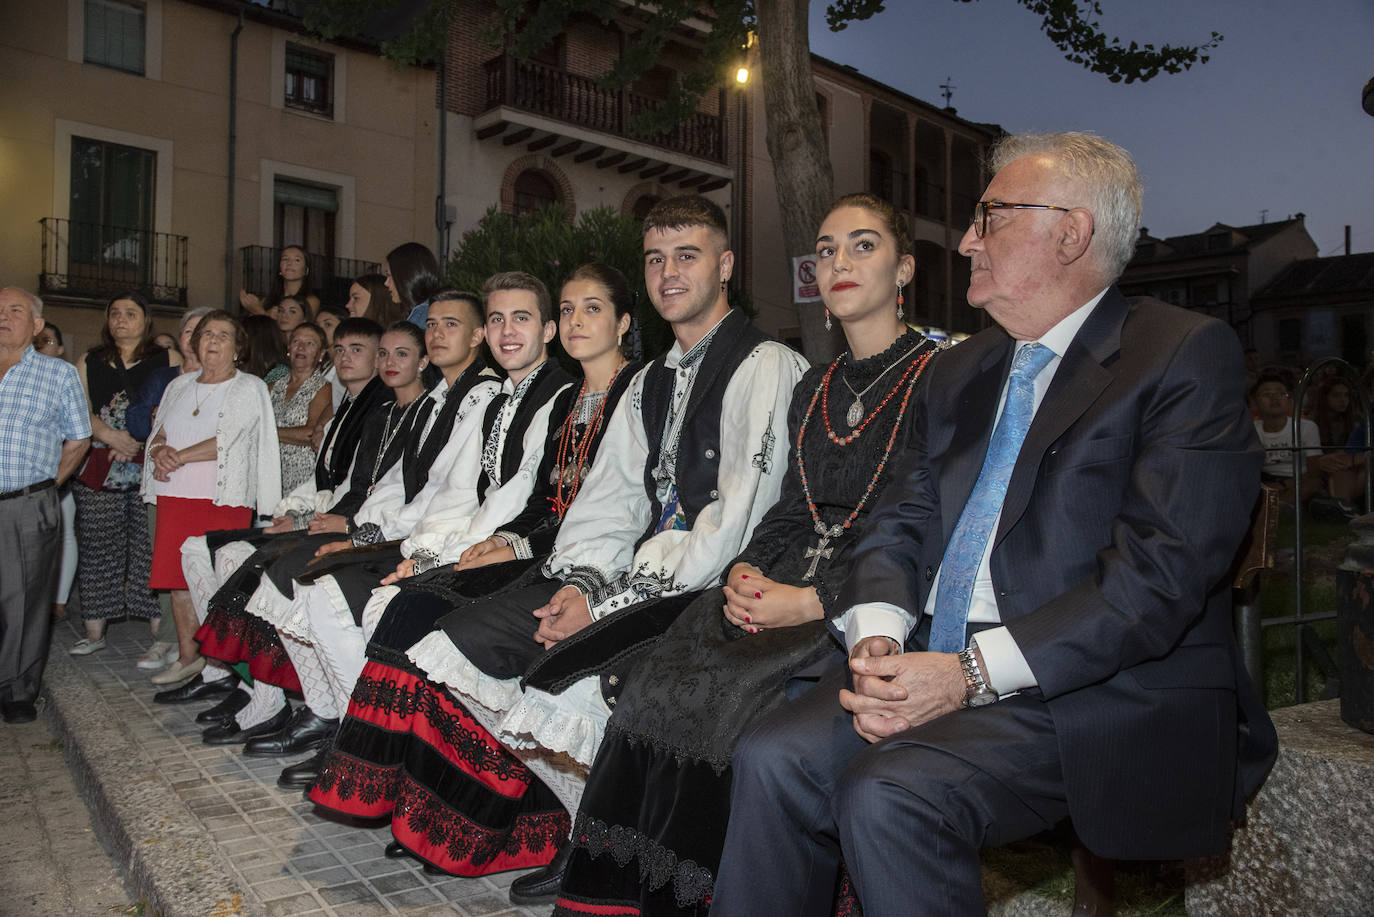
908, 380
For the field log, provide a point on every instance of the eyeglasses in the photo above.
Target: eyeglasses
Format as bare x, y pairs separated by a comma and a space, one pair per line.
980, 212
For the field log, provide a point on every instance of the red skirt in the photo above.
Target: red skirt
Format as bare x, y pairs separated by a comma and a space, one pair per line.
179, 518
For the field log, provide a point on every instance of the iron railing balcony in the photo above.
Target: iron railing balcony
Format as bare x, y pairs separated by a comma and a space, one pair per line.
95, 261
578, 100
330, 278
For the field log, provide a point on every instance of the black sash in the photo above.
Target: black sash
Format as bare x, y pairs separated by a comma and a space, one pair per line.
420, 455
549, 377
698, 460
346, 432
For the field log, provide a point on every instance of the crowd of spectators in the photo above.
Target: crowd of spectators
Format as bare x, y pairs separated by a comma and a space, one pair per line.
1330, 427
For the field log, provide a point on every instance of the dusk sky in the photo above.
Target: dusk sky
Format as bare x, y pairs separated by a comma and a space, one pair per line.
1273, 121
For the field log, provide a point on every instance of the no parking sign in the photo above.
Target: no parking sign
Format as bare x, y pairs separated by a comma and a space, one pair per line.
804, 287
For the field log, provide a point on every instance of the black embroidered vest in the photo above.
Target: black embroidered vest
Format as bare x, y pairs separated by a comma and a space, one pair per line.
698, 457
345, 432
548, 379
419, 456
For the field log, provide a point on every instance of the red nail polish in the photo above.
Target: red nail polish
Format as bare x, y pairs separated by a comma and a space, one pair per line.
744, 576
758, 595
748, 620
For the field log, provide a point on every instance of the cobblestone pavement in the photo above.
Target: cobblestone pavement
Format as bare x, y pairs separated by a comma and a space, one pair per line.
51, 858
286, 859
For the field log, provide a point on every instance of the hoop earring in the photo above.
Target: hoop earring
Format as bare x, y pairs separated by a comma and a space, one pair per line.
901, 314
828, 326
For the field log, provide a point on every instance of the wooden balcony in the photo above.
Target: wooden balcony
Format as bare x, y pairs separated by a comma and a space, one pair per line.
568, 114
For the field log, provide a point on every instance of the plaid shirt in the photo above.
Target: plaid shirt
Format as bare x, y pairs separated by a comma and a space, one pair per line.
41, 405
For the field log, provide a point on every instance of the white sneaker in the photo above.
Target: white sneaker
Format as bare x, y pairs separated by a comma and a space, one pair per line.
84, 647
159, 655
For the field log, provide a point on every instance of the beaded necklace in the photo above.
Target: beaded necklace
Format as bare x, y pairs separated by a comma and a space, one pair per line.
856, 410
389, 433
824, 394
570, 445
822, 548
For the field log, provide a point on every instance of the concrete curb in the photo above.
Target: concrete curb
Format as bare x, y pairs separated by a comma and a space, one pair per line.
168, 858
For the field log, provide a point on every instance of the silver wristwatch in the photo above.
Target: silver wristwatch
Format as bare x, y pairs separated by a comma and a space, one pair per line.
976, 690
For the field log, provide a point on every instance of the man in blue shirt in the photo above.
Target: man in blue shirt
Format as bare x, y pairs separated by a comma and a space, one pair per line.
45, 429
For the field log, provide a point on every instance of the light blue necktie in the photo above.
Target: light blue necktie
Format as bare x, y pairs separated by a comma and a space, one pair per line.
959, 568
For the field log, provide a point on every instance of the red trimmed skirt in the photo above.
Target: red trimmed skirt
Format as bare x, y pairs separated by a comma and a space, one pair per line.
457, 799
179, 518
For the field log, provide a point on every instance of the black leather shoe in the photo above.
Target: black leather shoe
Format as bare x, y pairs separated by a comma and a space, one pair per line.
229, 733
224, 710
19, 711
541, 887
302, 774
394, 851
196, 689
305, 732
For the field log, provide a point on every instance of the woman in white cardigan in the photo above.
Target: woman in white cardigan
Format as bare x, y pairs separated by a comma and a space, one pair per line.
213, 457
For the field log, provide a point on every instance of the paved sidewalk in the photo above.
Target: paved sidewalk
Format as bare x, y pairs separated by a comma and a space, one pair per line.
51, 858
205, 831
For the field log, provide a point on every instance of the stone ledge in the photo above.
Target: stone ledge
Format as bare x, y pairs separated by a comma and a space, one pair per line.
167, 856
1305, 848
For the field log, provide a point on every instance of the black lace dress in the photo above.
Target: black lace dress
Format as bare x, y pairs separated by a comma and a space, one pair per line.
648, 835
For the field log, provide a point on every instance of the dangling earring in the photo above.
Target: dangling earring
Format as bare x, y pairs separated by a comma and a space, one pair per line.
901, 314
722, 286
828, 326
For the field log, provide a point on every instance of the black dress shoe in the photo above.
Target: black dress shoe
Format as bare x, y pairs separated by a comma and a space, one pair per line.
394, 851
229, 733
19, 711
304, 732
196, 689
224, 710
302, 774
541, 887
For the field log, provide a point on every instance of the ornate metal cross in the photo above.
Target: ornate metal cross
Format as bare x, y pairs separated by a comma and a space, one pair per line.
822, 548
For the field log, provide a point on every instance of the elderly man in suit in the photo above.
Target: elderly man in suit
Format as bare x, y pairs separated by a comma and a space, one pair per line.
1038, 622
